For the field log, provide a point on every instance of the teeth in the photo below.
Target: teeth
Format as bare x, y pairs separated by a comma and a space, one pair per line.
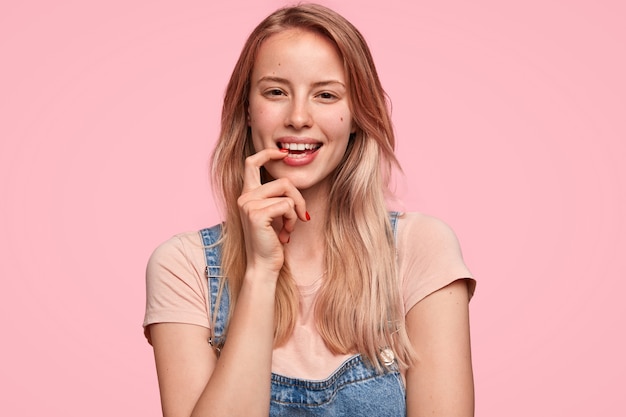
299, 146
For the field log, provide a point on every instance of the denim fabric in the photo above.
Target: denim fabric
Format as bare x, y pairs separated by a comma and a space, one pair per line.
213, 273
354, 389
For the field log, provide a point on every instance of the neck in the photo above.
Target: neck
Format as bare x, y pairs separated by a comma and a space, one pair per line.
305, 251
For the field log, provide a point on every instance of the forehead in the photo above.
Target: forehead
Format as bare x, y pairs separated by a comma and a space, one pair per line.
298, 51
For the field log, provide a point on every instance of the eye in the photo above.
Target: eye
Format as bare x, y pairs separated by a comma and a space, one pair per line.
274, 92
327, 96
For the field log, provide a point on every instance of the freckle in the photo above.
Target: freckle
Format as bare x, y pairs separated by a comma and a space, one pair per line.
342, 119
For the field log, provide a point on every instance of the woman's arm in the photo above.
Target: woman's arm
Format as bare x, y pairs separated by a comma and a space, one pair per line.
193, 382
441, 381
191, 379
184, 362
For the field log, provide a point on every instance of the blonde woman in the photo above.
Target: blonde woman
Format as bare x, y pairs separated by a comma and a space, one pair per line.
310, 299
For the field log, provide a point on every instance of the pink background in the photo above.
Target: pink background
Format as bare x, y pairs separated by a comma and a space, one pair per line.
511, 125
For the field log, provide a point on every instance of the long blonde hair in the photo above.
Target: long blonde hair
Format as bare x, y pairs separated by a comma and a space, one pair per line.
359, 308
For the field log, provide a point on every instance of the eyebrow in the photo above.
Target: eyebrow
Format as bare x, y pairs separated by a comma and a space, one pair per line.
285, 81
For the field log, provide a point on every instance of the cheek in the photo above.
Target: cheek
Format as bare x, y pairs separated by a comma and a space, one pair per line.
255, 134
263, 118
351, 126
337, 125
257, 121
257, 141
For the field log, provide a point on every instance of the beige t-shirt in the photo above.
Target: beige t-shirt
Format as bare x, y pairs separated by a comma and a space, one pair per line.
429, 258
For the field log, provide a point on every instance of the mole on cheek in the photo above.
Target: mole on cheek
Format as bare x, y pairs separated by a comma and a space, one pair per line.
341, 119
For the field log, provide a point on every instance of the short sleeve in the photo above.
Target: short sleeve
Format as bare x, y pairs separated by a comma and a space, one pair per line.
429, 258
176, 288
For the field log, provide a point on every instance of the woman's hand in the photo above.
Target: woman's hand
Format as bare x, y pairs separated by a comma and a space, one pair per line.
260, 205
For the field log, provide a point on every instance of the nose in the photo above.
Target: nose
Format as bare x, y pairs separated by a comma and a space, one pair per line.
299, 115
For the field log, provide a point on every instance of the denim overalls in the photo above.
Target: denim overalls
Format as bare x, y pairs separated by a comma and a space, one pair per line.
354, 389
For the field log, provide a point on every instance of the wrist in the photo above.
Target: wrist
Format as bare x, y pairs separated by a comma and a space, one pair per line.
260, 276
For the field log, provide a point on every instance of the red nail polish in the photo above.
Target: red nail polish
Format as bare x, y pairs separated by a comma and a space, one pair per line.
307, 216
284, 150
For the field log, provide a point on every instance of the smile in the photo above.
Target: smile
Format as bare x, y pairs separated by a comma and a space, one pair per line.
299, 147
300, 153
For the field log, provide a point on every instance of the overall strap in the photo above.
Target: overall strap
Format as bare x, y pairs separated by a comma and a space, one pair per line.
393, 218
218, 317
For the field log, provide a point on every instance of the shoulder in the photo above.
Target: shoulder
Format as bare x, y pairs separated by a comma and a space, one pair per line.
177, 264
419, 232
176, 285
423, 222
429, 256
182, 249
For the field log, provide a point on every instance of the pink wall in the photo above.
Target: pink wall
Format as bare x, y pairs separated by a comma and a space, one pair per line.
511, 126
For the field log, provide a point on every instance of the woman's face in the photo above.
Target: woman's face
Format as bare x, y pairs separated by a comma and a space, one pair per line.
299, 101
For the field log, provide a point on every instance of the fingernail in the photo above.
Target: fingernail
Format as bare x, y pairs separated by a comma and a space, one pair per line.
284, 150
307, 216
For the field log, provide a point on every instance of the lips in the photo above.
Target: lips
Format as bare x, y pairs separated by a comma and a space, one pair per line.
301, 152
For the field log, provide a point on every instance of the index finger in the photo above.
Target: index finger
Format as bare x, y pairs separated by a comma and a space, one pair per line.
253, 164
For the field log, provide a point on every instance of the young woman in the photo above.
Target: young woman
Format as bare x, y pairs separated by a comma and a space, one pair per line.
311, 298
